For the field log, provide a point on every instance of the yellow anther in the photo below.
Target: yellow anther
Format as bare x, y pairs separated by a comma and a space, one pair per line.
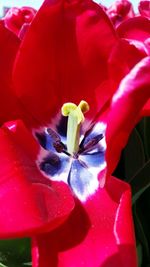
84, 106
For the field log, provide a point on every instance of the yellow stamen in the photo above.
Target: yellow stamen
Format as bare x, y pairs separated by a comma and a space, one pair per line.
75, 119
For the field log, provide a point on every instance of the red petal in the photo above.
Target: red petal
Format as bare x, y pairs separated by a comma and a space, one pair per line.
11, 109
146, 109
133, 93
127, 52
99, 233
29, 202
63, 57
9, 45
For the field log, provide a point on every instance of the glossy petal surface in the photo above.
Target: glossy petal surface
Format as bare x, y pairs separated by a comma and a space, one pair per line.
129, 53
92, 234
65, 51
30, 203
9, 45
127, 103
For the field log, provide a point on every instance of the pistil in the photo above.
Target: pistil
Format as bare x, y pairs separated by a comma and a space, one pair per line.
75, 119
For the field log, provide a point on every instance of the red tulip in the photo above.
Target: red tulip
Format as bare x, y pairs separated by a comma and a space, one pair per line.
69, 55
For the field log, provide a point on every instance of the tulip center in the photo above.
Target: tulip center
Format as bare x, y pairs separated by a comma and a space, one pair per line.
73, 152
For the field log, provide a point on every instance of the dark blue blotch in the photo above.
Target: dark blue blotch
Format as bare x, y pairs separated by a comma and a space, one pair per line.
55, 164
79, 178
45, 140
62, 126
51, 164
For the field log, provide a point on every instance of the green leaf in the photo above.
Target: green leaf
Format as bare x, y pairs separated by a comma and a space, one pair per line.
2, 265
140, 254
147, 135
14, 252
141, 235
140, 182
134, 157
143, 129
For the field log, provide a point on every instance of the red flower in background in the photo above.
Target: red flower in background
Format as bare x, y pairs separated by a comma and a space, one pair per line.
17, 19
69, 54
144, 8
120, 10
136, 31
